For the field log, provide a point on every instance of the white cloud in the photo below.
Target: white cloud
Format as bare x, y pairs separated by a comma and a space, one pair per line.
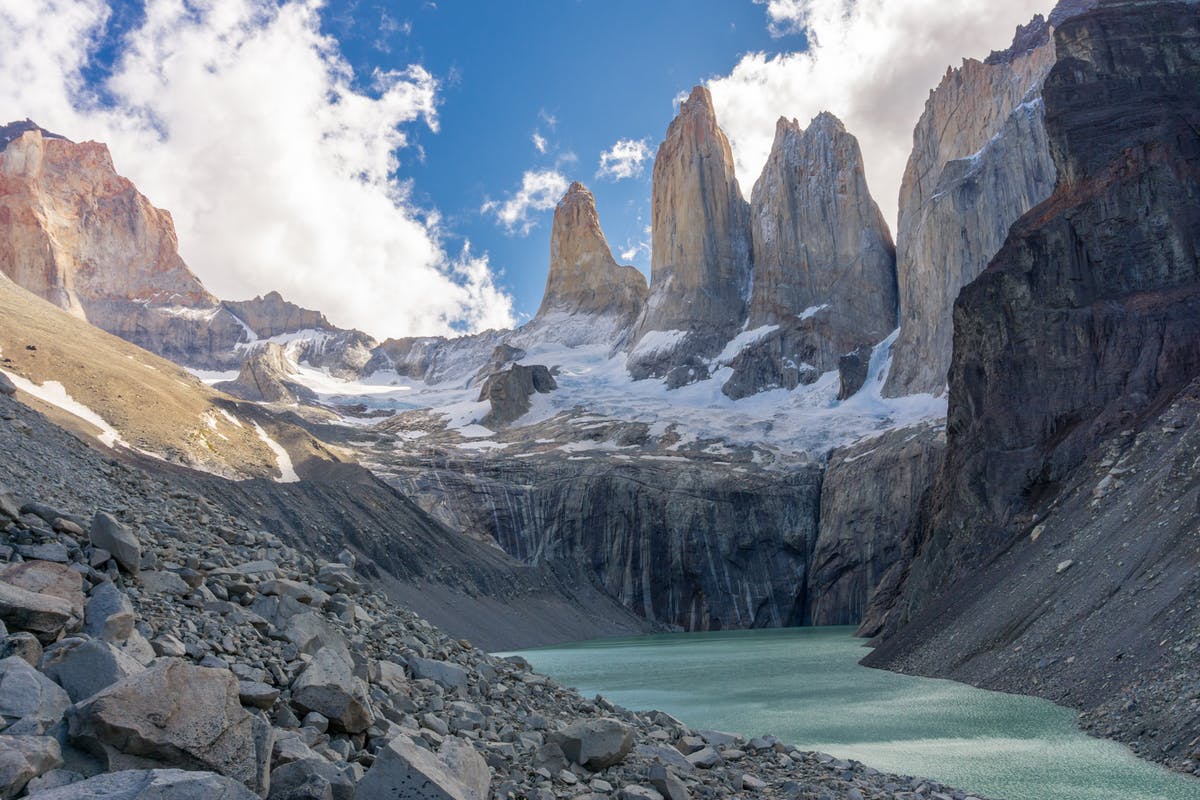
624, 159
540, 191
241, 118
871, 62
539, 142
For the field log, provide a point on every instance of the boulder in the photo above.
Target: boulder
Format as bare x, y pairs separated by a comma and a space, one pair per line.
312, 779
178, 714
107, 533
152, 784
23, 758
85, 666
108, 614
41, 597
7, 387
508, 392
329, 687
852, 371
404, 771
595, 744
443, 673
465, 762
22, 644
666, 783
9, 507
28, 699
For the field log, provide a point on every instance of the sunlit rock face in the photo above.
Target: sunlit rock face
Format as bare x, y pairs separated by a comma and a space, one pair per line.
980, 160
824, 263
584, 279
700, 263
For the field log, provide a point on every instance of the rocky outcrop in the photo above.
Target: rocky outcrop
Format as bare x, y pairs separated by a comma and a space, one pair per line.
1067, 351
869, 497
819, 238
691, 544
701, 256
599, 299
509, 392
980, 160
266, 377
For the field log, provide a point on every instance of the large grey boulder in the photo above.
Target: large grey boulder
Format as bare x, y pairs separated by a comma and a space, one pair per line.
85, 666
152, 784
329, 687
29, 701
176, 714
443, 673
23, 758
108, 614
312, 779
107, 533
41, 597
465, 762
404, 771
595, 743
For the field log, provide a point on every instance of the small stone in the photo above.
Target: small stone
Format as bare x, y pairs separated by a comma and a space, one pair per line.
107, 533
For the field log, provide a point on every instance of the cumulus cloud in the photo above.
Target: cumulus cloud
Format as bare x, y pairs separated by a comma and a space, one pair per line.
871, 62
244, 120
624, 159
540, 190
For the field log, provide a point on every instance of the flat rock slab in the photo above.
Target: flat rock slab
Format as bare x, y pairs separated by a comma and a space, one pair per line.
152, 784
404, 771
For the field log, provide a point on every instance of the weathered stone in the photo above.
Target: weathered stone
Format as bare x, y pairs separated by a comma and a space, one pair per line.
508, 392
110, 534
443, 673
852, 372
41, 597
257, 694
8, 389
22, 644
162, 582
156, 784
30, 698
464, 762
175, 714
701, 244
23, 758
666, 783
328, 686
595, 743
108, 614
404, 771
84, 667
312, 779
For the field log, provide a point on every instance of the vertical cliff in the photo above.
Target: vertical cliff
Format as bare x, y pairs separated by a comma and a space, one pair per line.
1061, 528
700, 231
824, 264
980, 160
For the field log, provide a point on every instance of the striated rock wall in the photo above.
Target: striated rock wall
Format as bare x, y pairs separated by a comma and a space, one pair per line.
869, 497
1059, 525
690, 544
700, 263
980, 160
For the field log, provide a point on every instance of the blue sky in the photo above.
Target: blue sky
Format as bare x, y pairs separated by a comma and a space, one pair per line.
344, 152
580, 73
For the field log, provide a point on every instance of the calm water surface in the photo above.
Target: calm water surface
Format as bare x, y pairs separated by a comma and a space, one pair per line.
806, 687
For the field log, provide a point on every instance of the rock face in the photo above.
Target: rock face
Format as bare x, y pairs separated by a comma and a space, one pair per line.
819, 238
869, 496
980, 160
690, 544
508, 392
701, 257
584, 280
265, 378
1072, 397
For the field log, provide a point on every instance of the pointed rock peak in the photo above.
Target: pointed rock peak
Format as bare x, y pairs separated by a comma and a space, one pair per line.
584, 277
827, 121
698, 102
13, 130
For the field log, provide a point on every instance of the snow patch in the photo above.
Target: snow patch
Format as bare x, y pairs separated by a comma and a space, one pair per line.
55, 394
812, 311
287, 472
657, 342
742, 341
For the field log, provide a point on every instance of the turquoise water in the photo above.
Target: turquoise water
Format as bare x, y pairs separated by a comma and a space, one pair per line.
806, 687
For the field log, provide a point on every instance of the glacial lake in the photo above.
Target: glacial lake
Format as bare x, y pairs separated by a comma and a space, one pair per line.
806, 687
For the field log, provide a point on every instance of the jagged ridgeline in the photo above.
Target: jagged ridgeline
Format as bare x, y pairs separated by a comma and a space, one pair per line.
977, 441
